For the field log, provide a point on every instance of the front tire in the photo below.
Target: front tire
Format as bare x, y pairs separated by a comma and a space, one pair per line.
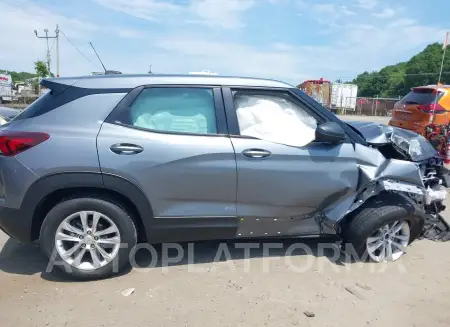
88, 238
383, 228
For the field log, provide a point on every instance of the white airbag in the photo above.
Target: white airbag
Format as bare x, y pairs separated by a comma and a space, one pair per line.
277, 121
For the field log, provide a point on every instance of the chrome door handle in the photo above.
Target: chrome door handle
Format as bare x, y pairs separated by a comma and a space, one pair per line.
256, 153
126, 148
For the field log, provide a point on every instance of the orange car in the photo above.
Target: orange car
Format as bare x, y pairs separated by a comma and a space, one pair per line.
414, 111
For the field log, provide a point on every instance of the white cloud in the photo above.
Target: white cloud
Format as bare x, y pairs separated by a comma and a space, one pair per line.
353, 45
385, 13
346, 11
369, 47
145, 9
226, 14
359, 47
324, 9
330, 15
23, 48
129, 33
221, 13
283, 46
403, 22
275, 61
366, 4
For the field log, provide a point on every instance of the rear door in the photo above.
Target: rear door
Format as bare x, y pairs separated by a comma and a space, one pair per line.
172, 143
285, 177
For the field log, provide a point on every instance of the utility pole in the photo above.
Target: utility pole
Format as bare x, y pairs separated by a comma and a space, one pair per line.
444, 48
46, 37
57, 50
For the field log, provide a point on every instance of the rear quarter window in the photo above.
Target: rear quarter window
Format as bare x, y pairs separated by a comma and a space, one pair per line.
38, 107
53, 100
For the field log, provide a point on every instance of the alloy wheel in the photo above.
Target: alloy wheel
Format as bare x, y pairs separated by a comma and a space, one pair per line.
87, 240
388, 243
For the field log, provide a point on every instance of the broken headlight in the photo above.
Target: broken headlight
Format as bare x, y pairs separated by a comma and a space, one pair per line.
413, 145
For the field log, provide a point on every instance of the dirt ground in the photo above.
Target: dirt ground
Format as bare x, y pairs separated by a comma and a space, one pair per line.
376, 119
261, 291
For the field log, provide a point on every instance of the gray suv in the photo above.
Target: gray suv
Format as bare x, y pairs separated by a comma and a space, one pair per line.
100, 162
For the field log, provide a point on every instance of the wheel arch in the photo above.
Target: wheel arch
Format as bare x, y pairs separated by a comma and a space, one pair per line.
385, 198
52, 189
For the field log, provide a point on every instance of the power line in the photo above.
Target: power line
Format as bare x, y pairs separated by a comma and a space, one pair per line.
49, 51
416, 74
52, 45
78, 49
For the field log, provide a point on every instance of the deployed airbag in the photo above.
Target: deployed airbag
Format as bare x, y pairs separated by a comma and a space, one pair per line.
274, 120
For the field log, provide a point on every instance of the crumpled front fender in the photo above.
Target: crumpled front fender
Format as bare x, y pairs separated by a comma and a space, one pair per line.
376, 174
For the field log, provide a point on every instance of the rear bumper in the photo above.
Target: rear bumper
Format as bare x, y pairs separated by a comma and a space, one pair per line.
15, 223
418, 127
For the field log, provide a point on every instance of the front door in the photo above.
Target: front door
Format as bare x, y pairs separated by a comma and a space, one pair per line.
284, 176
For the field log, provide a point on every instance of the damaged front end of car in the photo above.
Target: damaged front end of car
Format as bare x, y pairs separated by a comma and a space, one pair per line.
398, 163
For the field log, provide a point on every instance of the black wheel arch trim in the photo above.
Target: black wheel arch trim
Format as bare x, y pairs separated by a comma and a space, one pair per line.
49, 184
154, 230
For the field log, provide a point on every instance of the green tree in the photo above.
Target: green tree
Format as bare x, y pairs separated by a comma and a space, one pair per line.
427, 61
18, 76
41, 69
395, 80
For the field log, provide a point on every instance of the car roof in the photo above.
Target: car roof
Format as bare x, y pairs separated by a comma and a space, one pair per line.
123, 81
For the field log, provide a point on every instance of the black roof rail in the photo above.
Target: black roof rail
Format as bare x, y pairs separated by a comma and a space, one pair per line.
110, 72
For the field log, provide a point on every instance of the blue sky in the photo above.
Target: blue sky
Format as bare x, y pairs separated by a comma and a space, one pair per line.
291, 40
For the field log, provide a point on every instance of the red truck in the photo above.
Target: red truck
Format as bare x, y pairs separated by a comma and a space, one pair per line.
319, 90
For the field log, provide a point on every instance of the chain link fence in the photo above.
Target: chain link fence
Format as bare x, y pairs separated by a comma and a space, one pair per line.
370, 106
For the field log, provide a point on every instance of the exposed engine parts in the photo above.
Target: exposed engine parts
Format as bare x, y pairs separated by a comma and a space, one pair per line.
398, 162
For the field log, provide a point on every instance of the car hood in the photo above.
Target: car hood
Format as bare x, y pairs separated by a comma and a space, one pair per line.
409, 143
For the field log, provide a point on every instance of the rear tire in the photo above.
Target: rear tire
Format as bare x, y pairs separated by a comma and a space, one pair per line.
379, 218
118, 238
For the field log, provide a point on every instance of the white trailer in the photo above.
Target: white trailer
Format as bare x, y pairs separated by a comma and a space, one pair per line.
6, 88
343, 96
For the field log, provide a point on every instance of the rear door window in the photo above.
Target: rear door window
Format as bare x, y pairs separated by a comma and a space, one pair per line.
174, 109
421, 96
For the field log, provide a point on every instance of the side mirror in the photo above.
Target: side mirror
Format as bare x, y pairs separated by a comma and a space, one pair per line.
330, 132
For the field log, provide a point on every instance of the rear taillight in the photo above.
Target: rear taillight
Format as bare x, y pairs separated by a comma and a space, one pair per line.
12, 143
431, 108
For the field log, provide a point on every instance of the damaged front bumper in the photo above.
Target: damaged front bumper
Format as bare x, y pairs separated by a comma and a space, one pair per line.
396, 162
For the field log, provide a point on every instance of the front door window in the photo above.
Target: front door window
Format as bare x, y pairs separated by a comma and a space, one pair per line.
274, 117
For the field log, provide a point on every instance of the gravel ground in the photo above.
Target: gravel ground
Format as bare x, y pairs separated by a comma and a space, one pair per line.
279, 290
